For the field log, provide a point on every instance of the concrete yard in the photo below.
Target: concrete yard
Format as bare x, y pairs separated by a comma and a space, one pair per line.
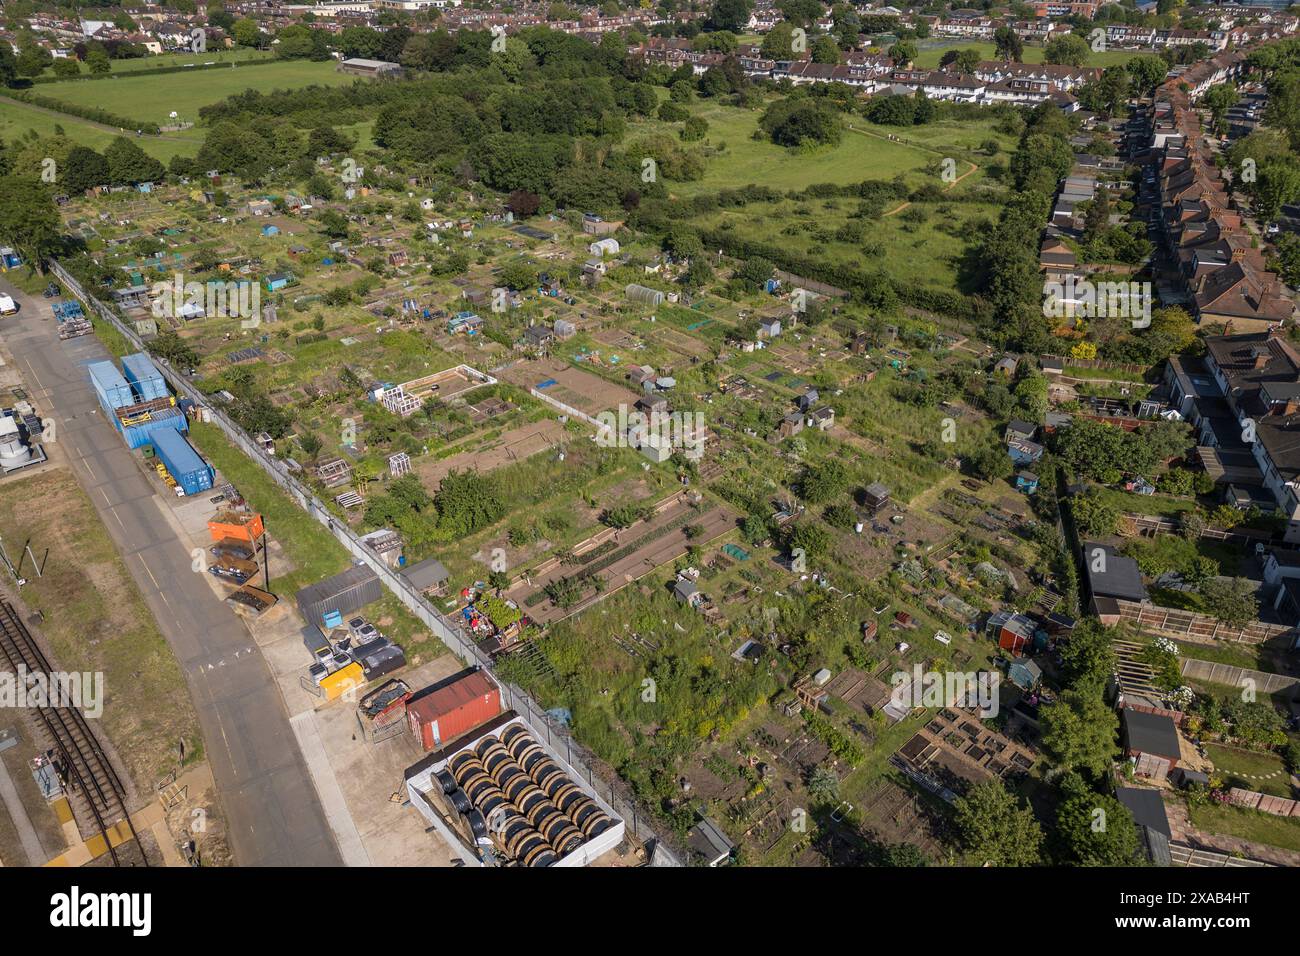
354, 778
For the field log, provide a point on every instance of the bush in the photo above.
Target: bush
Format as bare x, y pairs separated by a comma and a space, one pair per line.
694, 129
671, 112
1093, 516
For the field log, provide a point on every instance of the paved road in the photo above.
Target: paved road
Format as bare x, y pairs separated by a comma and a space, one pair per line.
272, 811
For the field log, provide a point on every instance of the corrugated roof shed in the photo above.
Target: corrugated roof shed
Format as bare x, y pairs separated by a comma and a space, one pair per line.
344, 592
444, 698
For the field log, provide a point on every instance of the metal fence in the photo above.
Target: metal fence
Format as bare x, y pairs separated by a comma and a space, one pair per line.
663, 851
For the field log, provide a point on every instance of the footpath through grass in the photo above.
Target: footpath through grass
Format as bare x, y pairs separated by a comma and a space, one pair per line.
96, 620
1251, 770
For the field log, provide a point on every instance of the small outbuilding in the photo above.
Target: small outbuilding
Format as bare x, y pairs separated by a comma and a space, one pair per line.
430, 576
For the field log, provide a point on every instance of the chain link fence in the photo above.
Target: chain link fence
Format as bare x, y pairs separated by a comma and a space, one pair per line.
662, 851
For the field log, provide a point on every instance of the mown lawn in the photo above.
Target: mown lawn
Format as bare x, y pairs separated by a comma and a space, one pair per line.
1249, 656
153, 98
1157, 506
1248, 769
1250, 825
17, 118
237, 55
931, 51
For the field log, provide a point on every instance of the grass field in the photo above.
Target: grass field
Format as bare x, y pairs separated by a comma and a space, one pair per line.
1250, 825
95, 620
153, 98
1262, 772
924, 244
932, 51
865, 151
17, 118
745, 160
238, 55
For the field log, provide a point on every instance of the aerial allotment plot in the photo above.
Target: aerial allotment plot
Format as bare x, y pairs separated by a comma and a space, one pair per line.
762, 434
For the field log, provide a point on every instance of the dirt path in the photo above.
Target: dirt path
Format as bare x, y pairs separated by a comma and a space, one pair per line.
927, 149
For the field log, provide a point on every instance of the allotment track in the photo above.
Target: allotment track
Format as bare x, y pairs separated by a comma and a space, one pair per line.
95, 791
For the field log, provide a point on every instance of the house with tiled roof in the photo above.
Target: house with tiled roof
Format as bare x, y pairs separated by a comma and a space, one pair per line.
1248, 299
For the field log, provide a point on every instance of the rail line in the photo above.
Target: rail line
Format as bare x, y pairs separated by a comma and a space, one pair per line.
95, 784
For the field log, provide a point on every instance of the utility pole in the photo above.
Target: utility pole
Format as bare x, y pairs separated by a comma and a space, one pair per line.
266, 557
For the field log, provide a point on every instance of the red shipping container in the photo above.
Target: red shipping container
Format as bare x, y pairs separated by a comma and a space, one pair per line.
439, 717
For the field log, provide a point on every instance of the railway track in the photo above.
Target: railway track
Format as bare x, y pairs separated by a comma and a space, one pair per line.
95, 791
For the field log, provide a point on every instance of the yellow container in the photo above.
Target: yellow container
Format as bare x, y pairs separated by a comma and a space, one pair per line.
343, 680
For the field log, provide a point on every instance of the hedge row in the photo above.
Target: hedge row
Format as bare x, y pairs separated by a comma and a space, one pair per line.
157, 71
92, 113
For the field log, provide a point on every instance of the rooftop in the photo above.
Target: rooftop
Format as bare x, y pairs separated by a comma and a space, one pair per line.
1151, 733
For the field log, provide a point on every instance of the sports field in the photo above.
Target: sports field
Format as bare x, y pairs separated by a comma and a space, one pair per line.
17, 118
136, 65
931, 51
153, 98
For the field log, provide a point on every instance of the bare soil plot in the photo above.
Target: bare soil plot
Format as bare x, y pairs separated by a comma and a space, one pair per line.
588, 393
894, 814
510, 447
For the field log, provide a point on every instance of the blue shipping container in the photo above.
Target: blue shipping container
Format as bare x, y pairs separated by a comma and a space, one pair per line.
111, 388
144, 376
191, 472
137, 436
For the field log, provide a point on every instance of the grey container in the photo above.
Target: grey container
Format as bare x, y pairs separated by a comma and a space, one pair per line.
379, 657
344, 592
